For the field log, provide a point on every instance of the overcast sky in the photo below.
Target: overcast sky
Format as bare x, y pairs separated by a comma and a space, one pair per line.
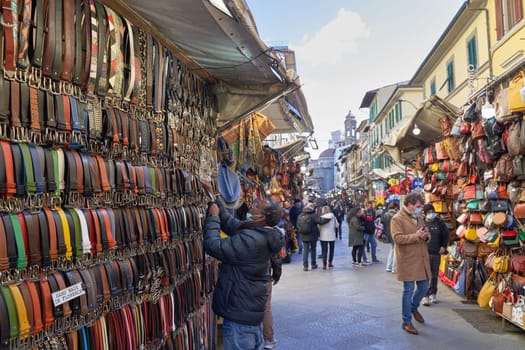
347, 47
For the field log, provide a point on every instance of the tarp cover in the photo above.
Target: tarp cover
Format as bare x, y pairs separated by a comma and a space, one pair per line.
403, 145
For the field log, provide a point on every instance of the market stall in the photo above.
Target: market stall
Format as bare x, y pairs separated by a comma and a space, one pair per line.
472, 174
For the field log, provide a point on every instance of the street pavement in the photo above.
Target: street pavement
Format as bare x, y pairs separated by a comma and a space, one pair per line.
356, 308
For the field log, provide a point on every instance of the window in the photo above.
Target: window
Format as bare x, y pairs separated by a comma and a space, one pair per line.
397, 114
450, 76
508, 14
433, 87
472, 52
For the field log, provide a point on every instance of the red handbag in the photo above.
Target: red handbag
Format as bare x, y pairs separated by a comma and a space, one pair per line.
469, 192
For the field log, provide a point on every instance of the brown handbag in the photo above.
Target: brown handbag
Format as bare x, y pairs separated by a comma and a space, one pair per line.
476, 219
519, 211
477, 131
446, 125
504, 170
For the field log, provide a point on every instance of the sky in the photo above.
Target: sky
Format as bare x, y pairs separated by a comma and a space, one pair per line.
345, 48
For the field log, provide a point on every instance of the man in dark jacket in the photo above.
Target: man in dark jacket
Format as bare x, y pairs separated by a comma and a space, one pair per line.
437, 246
310, 237
244, 276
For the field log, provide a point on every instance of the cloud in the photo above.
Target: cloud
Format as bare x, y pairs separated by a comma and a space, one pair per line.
334, 40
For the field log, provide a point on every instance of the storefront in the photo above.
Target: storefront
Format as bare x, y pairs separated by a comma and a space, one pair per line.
472, 174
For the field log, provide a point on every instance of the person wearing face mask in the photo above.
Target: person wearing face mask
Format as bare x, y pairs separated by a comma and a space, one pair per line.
437, 246
412, 260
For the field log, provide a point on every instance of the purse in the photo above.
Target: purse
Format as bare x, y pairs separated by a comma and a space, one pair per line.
519, 211
501, 264
500, 205
471, 234
487, 291
516, 103
469, 249
517, 263
510, 238
476, 219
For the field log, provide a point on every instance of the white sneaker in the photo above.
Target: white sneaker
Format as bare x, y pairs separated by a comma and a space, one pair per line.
270, 344
434, 299
425, 301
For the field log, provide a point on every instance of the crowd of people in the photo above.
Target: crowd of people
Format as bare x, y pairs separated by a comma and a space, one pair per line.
253, 251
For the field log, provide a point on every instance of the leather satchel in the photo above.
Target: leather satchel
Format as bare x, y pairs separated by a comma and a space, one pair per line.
476, 219
477, 131
517, 263
519, 211
516, 103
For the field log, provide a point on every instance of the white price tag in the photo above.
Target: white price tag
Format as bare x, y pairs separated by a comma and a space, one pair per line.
67, 294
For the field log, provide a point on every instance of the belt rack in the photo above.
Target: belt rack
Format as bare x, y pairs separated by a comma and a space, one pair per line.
104, 136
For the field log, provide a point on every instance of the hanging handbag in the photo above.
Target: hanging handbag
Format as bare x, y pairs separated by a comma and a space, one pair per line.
500, 219
470, 233
507, 308
501, 264
476, 219
477, 131
519, 211
510, 238
500, 205
472, 113
441, 152
487, 291
469, 249
465, 128
446, 125
516, 104
518, 311
504, 170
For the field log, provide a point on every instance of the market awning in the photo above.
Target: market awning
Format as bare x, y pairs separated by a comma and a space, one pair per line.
403, 145
383, 174
225, 51
291, 149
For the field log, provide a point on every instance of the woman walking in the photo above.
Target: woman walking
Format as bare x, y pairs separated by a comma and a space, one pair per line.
327, 236
355, 236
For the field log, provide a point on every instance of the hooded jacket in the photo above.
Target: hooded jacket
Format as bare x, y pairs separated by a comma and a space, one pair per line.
327, 231
242, 287
355, 228
316, 220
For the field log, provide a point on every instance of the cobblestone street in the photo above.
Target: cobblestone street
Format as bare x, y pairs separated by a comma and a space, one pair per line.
360, 308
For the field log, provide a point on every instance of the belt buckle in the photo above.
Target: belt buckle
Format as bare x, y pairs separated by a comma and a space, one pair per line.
21, 75
35, 78
35, 136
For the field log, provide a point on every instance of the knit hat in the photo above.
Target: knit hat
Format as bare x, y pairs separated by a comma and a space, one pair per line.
427, 208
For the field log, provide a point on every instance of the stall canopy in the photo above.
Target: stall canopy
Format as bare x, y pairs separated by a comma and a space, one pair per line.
292, 149
403, 145
224, 48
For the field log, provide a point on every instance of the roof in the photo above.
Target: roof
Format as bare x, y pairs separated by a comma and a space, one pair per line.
327, 153
368, 98
225, 51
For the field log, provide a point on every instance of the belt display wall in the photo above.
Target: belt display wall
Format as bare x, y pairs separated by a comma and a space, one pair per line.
102, 136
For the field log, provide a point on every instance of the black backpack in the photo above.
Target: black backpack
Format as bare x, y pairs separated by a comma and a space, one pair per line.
304, 223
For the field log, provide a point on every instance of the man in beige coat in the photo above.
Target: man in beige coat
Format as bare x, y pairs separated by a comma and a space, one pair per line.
413, 263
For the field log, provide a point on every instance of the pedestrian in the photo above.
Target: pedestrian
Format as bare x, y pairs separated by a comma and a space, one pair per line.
242, 287
275, 272
437, 246
327, 237
413, 265
368, 218
356, 236
307, 226
339, 212
294, 212
386, 219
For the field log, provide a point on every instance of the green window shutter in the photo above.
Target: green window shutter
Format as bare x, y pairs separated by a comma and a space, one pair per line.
472, 52
450, 76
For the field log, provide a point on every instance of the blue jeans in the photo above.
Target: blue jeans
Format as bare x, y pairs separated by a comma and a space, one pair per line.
237, 336
411, 300
310, 248
369, 238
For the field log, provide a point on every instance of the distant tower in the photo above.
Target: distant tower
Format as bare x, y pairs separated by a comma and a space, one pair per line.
336, 138
350, 129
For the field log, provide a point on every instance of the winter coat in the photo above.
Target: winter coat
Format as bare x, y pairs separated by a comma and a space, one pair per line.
412, 259
327, 231
386, 219
355, 229
244, 275
314, 231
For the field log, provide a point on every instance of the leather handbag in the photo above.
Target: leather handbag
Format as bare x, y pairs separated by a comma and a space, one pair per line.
477, 131
500, 205
510, 238
441, 152
476, 219
500, 219
501, 264
504, 170
469, 249
519, 211
487, 291
469, 192
517, 263
506, 310
470, 233
446, 125
516, 104
498, 300
462, 219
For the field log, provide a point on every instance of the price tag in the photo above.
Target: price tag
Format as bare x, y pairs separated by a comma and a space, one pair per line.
65, 295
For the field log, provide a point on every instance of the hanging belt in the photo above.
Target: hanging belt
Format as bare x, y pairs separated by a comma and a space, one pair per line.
53, 235
84, 228
12, 313
44, 239
34, 241
103, 42
4, 257
10, 24
20, 242
68, 54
